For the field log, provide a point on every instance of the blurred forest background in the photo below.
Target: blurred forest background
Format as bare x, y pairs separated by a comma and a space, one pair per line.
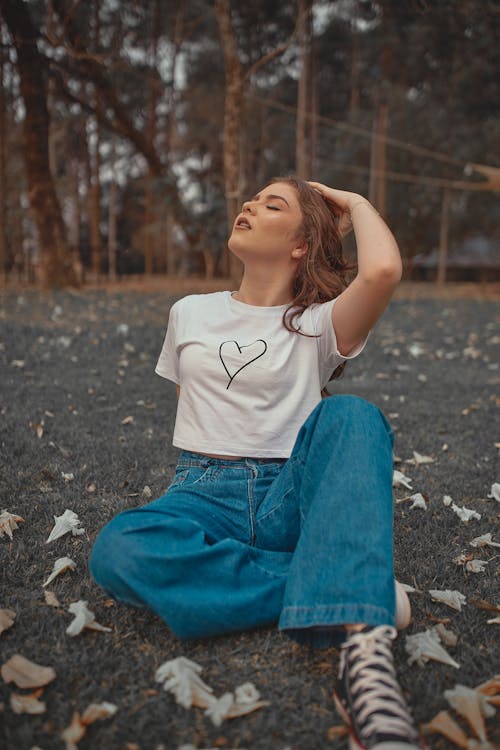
131, 131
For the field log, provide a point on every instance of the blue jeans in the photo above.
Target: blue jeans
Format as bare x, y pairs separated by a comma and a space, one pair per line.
305, 541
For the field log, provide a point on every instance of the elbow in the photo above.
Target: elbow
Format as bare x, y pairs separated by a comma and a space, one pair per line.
392, 273
386, 276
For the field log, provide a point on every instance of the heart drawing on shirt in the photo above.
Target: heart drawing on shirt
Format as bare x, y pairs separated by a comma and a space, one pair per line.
235, 358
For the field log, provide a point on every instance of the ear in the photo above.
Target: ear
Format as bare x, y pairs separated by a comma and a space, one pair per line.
299, 251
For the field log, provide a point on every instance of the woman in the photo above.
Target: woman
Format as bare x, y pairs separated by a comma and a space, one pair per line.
281, 505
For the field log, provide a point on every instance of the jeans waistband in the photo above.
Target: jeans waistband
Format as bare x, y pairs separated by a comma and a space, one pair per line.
188, 458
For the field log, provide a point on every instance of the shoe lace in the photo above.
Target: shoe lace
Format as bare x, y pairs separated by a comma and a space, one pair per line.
377, 699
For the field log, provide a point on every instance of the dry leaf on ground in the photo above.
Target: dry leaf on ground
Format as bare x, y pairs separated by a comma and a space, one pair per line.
51, 599
7, 617
424, 646
73, 732
418, 459
495, 492
68, 522
8, 523
472, 705
97, 711
453, 599
418, 501
476, 566
465, 514
76, 730
181, 676
444, 724
485, 540
84, 618
25, 673
400, 480
60, 565
27, 704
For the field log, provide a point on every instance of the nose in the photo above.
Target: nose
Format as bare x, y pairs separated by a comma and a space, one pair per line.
247, 207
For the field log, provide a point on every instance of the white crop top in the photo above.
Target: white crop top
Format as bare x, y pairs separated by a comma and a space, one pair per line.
246, 383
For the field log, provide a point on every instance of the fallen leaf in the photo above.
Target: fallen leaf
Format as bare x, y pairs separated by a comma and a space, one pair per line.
64, 524
97, 711
447, 500
60, 565
8, 523
418, 459
25, 673
416, 349
51, 599
472, 705
495, 492
444, 724
78, 726
424, 646
337, 732
38, 428
494, 621
7, 617
73, 732
84, 618
484, 540
447, 637
476, 566
27, 704
483, 604
465, 514
400, 480
418, 501
490, 687
453, 599
181, 676
127, 420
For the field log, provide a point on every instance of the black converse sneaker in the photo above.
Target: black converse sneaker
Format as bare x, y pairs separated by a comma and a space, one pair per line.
368, 695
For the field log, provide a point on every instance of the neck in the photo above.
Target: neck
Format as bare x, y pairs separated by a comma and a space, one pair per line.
262, 289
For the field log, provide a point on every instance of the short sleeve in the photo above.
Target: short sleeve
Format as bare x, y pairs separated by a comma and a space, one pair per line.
329, 356
168, 361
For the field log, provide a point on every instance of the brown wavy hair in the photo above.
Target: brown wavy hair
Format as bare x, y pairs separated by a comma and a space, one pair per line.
323, 272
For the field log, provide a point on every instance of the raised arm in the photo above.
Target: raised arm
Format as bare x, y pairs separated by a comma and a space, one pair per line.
359, 306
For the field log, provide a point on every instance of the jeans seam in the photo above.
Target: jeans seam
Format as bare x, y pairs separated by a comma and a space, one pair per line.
251, 503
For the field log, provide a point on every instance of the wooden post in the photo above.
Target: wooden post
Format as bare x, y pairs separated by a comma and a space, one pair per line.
112, 216
3, 171
377, 189
300, 139
443, 237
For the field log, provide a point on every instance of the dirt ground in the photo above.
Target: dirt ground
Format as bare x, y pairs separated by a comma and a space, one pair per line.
86, 425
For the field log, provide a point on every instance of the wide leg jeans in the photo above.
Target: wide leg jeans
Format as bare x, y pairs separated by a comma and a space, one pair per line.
236, 544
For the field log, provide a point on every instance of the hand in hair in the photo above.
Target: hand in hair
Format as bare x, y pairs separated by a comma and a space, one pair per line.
341, 202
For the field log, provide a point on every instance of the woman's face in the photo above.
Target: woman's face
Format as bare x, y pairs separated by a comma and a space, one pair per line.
268, 224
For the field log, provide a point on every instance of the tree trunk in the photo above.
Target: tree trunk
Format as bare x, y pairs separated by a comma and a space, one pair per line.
171, 132
302, 93
3, 171
232, 126
56, 268
112, 217
96, 238
378, 180
149, 218
443, 237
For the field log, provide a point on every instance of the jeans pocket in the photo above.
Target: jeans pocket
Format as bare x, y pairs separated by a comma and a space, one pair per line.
193, 475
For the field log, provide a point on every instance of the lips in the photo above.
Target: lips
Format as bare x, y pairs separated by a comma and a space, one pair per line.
242, 223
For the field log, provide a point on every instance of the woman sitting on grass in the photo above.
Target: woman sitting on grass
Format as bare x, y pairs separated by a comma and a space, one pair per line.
281, 506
